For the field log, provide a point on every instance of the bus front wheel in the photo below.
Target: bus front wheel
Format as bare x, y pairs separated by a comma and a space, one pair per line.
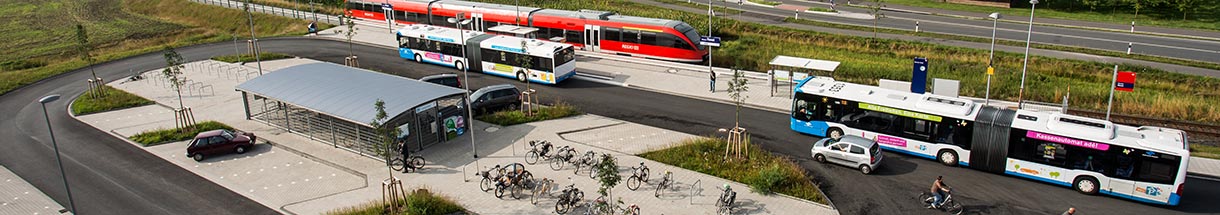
947, 157
460, 66
834, 133
521, 76
418, 59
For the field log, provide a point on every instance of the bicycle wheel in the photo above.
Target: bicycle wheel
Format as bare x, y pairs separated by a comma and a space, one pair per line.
580, 195
576, 168
486, 184
561, 207
396, 164
926, 198
633, 182
537, 191
531, 157
593, 172
644, 175
635, 210
720, 203
556, 164
660, 187
954, 208
515, 192
417, 162
500, 191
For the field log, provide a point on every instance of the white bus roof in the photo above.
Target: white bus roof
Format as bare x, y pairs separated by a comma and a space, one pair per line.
1144, 137
535, 47
430, 32
512, 29
925, 103
1164, 140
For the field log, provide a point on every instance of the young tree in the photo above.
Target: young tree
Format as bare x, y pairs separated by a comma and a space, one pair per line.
875, 9
738, 85
526, 61
351, 32
82, 48
389, 134
607, 175
1184, 6
173, 72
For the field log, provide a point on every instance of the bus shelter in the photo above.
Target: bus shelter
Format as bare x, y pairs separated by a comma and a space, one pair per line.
788, 71
334, 104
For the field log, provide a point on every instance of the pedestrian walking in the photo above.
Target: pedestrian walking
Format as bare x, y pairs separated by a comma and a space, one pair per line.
313, 28
712, 85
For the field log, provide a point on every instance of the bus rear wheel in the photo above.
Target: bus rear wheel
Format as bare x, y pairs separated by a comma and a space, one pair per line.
418, 59
460, 66
834, 133
521, 76
1085, 185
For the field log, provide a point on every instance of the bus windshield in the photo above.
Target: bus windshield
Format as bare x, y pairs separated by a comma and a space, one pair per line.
564, 56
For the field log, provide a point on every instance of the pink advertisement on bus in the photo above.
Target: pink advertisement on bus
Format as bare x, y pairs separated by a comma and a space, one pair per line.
893, 141
1066, 140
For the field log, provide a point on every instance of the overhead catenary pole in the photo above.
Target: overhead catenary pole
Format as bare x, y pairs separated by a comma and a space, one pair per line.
1113, 81
1025, 67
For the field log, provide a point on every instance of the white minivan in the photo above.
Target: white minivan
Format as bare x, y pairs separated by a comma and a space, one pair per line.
849, 150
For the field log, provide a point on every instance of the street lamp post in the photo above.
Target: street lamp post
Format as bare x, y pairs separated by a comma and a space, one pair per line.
254, 39
461, 20
995, 17
44, 101
1028, 36
710, 13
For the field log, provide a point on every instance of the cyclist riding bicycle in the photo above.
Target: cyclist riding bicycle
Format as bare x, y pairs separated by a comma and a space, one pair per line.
939, 188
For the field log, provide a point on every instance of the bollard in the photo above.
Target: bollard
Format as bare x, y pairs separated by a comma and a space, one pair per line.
1129, 48
916, 26
797, 16
1132, 26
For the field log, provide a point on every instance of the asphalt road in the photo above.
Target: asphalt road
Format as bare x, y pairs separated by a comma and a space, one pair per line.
107, 175
121, 179
1193, 49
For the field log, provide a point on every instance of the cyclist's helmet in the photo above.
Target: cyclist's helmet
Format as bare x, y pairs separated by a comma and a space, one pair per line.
726, 186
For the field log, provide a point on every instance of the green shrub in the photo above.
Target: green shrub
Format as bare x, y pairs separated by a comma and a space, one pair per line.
818, 9
111, 99
162, 136
264, 56
1206, 151
14, 65
513, 117
418, 202
764, 172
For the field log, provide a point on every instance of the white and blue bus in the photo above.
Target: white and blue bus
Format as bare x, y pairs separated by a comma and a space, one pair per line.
1146, 164
507, 56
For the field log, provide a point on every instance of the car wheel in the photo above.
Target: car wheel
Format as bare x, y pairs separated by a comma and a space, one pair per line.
418, 59
241, 150
514, 106
865, 169
197, 157
835, 133
820, 158
1086, 185
521, 76
947, 157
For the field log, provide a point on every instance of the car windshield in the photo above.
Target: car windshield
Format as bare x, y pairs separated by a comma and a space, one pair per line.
227, 135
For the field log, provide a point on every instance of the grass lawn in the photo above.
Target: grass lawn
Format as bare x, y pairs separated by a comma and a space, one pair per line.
418, 202
818, 9
162, 136
264, 56
111, 99
751, 46
39, 35
1199, 18
513, 117
764, 172
331, 7
1205, 151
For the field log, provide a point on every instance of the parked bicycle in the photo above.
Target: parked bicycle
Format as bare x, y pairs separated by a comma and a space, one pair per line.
513, 181
948, 205
568, 198
639, 175
415, 162
666, 181
490, 176
540, 188
600, 206
562, 156
540, 149
724, 205
586, 160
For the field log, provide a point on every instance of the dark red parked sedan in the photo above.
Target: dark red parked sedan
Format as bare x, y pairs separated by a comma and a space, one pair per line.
220, 141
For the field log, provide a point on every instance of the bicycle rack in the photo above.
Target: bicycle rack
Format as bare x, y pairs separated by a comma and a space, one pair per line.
693, 191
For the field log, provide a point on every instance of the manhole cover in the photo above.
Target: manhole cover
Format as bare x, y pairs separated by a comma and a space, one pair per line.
492, 129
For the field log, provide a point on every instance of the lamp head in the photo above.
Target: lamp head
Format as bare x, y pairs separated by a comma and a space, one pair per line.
49, 98
995, 15
1033, 1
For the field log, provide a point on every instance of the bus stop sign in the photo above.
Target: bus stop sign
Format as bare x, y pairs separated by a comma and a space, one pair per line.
919, 76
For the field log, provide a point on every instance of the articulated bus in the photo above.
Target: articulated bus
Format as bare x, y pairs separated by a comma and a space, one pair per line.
1145, 164
595, 31
549, 62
